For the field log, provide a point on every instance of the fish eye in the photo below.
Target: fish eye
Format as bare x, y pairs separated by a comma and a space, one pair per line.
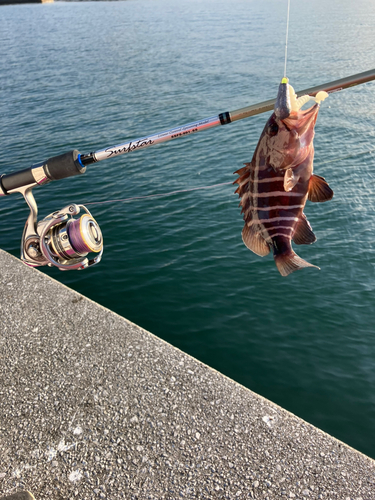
273, 129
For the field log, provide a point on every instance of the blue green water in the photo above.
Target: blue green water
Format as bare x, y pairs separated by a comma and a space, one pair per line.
93, 74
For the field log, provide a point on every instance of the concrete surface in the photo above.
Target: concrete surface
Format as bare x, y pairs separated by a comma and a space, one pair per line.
92, 406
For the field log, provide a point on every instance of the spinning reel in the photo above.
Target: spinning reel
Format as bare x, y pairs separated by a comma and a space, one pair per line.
59, 239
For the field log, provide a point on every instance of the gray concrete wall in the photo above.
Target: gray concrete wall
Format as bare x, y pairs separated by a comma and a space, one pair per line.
93, 406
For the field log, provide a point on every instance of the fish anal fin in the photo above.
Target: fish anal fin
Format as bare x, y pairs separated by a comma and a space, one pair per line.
319, 190
255, 241
289, 262
290, 179
303, 234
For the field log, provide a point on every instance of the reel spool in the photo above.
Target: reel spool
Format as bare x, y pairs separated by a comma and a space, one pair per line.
76, 238
66, 242
60, 240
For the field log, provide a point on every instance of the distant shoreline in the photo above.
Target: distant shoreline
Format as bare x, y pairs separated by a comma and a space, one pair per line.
10, 2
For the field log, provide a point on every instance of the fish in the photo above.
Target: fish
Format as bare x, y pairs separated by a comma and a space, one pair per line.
275, 186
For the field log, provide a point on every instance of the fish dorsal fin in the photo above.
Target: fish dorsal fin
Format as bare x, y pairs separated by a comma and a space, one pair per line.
243, 179
303, 234
255, 241
290, 179
243, 170
319, 189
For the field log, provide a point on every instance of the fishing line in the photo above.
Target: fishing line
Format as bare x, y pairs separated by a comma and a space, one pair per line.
211, 186
159, 195
348, 156
286, 39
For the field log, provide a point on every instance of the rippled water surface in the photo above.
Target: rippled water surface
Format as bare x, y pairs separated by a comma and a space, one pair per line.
94, 74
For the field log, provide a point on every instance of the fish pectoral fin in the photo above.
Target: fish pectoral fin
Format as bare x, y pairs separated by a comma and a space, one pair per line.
290, 179
303, 234
255, 241
319, 189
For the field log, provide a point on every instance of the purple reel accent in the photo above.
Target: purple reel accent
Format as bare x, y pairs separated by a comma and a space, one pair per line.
85, 235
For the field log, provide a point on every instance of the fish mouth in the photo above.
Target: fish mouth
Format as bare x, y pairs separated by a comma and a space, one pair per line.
301, 121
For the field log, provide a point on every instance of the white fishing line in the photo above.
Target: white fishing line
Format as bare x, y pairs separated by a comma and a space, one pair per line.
211, 186
286, 39
159, 195
348, 156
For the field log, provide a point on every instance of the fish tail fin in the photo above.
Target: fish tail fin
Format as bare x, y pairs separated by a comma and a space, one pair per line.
289, 262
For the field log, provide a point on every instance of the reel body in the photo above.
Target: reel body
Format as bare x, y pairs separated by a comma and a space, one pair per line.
59, 239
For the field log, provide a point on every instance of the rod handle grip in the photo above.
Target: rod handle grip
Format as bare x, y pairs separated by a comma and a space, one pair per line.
65, 165
53, 169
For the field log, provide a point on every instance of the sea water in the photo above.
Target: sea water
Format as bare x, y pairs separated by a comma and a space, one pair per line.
90, 75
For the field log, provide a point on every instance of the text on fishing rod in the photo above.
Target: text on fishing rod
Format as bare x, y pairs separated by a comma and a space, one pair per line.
128, 148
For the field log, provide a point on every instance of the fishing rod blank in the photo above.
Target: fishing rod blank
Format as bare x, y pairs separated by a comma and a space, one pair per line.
221, 119
74, 163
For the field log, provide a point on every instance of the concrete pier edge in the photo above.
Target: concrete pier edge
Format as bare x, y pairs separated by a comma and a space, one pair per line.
93, 406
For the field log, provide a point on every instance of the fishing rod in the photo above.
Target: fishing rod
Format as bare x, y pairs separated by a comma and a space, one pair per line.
73, 163
221, 119
62, 241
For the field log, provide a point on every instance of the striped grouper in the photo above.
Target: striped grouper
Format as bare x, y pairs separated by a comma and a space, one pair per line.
275, 186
